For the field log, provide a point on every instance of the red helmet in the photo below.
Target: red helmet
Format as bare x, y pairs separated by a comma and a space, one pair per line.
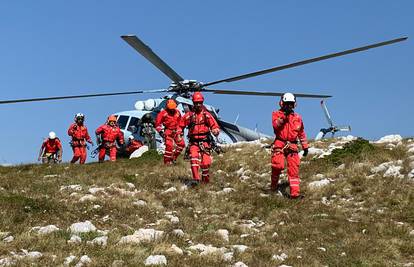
171, 104
198, 97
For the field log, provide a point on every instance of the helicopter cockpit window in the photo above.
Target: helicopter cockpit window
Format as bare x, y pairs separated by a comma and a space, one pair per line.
122, 121
133, 125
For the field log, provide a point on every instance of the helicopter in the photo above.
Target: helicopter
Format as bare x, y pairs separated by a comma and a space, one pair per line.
181, 90
332, 128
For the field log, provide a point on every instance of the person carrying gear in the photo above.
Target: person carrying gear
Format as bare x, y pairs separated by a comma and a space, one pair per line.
79, 134
167, 125
51, 150
148, 131
199, 122
288, 128
132, 145
107, 135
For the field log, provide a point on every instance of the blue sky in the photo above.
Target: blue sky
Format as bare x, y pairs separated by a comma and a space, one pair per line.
53, 48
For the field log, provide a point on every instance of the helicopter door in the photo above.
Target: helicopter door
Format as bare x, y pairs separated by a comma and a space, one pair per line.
134, 126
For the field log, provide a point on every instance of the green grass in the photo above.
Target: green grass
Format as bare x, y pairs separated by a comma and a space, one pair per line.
366, 222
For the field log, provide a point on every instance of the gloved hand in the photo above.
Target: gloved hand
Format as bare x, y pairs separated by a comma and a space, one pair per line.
305, 152
179, 138
215, 132
91, 142
162, 134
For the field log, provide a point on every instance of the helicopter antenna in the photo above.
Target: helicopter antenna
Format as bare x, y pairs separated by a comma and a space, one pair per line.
237, 119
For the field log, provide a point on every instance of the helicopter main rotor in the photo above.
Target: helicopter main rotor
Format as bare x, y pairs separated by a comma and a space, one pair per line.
184, 88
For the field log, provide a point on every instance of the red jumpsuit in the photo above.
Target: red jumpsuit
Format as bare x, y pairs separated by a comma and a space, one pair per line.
109, 136
51, 146
288, 130
172, 134
132, 146
80, 136
200, 123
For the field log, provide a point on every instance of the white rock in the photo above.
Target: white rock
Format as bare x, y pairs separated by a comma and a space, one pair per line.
45, 229
207, 250
322, 249
239, 264
227, 190
411, 150
88, 197
176, 249
170, 190
224, 234
130, 185
280, 257
7, 262
412, 233
393, 138
97, 207
382, 167
341, 167
318, 184
139, 203
240, 171
283, 265
75, 239
156, 260
393, 171
178, 232
34, 254
95, 190
228, 256
275, 235
51, 176
100, 241
73, 187
315, 151
240, 248
142, 235
69, 260
82, 227
84, 260
8, 239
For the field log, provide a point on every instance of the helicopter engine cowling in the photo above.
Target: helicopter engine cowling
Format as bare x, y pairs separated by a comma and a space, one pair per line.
150, 104
139, 105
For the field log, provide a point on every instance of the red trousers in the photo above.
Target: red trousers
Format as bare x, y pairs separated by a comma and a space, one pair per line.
278, 164
112, 153
172, 141
200, 158
79, 153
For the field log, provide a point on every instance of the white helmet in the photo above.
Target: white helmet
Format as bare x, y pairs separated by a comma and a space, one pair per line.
52, 135
79, 115
131, 137
288, 97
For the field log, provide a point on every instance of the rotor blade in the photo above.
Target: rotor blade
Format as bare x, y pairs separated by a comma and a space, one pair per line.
326, 112
146, 52
306, 61
236, 92
77, 96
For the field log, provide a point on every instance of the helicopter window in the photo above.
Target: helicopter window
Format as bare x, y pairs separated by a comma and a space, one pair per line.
122, 121
133, 124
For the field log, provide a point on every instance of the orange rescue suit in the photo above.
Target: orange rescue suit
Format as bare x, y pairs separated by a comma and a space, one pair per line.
80, 136
289, 130
109, 135
199, 126
51, 145
172, 133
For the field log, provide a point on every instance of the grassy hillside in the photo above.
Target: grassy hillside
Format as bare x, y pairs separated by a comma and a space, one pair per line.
361, 216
